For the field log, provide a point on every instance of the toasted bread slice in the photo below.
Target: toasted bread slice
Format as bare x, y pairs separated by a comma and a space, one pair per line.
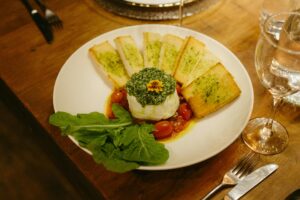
171, 46
211, 91
188, 58
130, 54
205, 62
110, 63
151, 49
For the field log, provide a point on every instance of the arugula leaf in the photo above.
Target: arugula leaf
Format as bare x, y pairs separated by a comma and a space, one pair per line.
109, 156
93, 121
86, 137
121, 113
118, 144
142, 147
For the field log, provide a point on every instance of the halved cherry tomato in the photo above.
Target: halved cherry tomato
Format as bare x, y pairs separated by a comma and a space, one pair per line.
185, 111
178, 89
117, 96
163, 129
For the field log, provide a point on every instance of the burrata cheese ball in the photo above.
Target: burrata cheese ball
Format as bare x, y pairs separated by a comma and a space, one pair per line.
152, 95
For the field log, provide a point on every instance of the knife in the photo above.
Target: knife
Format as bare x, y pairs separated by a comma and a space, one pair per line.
41, 23
250, 181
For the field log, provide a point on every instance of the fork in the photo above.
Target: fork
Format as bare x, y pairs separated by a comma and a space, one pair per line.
50, 16
237, 173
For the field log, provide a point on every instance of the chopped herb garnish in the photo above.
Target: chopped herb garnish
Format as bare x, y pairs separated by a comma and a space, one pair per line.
151, 86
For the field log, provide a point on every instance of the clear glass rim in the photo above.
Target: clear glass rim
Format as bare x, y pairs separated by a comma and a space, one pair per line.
268, 37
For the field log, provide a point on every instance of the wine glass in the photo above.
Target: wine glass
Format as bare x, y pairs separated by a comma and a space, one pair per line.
269, 8
180, 12
277, 62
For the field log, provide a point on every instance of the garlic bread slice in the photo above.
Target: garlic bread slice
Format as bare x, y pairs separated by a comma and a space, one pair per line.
130, 54
188, 59
205, 62
151, 49
171, 45
108, 60
211, 91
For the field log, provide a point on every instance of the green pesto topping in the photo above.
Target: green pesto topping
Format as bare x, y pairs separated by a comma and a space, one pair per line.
112, 62
138, 86
153, 50
190, 59
170, 56
133, 55
210, 89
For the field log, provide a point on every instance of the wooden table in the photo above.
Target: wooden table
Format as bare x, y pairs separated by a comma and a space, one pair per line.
29, 67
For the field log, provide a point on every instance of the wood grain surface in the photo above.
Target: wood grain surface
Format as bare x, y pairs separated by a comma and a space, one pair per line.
29, 67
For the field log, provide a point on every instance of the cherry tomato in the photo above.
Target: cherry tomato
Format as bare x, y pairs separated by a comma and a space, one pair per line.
117, 96
185, 111
178, 89
163, 129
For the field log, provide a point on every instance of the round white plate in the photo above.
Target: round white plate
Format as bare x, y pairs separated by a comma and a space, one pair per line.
79, 88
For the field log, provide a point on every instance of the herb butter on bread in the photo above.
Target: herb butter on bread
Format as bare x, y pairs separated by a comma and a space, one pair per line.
151, 49
109, 62
130, 54
188, 58
211, 91
171, 45
205, 62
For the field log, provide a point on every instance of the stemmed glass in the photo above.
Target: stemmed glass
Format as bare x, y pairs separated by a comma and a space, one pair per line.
277, 62
180, 12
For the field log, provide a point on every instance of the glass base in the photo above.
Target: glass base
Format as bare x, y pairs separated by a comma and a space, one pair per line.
264, 140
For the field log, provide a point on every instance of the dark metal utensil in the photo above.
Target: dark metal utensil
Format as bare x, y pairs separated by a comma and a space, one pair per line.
41, 23
50, 16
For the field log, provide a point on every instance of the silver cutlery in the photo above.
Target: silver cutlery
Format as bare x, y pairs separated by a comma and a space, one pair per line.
50, 16
250, 181
236, 174
39, 21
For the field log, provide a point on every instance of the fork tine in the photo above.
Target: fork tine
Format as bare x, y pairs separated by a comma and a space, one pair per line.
248, 167
56, 22
245, 165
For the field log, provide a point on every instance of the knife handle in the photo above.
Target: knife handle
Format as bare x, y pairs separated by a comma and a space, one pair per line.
41, 23
27, 5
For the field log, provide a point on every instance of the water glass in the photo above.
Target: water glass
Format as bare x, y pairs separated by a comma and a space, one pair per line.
271, 7
277, 62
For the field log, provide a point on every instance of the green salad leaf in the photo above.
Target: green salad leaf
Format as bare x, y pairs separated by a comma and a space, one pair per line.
118, 144
141, 146
92, 122
110, 156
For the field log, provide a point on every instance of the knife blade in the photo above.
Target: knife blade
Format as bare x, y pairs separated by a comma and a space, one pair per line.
41, 23
250, 181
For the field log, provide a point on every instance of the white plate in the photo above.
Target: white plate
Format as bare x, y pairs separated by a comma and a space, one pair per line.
79, 88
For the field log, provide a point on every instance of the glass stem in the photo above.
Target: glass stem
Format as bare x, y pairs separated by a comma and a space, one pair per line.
180, 13
276, 103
